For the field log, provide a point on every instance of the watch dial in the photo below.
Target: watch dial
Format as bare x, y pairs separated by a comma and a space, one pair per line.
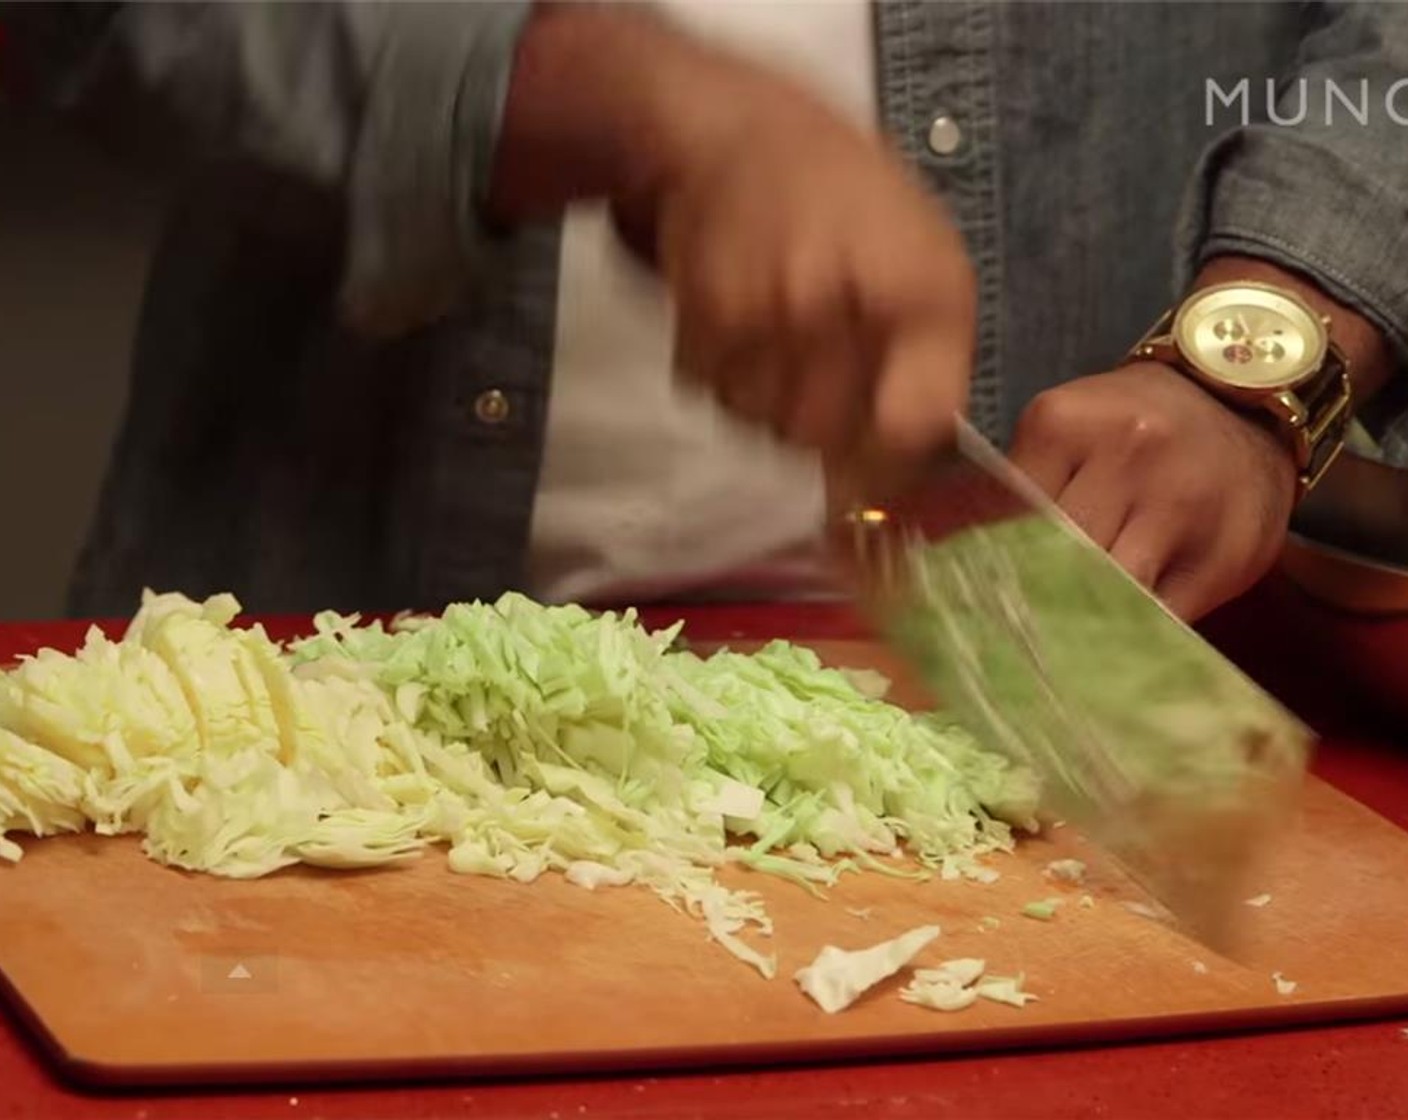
1250, 338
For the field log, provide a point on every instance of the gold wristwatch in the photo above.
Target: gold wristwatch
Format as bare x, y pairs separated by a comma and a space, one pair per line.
1264, 351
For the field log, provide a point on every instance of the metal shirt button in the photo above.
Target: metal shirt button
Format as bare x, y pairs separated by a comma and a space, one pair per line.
491, 407
945, 137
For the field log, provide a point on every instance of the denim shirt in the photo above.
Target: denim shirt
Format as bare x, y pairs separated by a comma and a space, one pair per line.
332, 159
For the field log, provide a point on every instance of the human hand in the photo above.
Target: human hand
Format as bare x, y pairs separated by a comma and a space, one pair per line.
1188, 496
819, 289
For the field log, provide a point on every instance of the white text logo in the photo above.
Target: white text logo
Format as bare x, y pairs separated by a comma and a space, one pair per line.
1327, 102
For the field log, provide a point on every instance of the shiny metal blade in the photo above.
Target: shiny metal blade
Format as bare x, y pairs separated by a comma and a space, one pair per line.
1144, 736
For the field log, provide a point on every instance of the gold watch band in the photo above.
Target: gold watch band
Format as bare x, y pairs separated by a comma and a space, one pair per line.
1316, 416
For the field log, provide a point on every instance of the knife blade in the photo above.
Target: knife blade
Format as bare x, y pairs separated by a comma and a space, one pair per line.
1143, 736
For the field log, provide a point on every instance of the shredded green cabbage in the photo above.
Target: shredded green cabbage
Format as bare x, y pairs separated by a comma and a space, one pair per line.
525, 738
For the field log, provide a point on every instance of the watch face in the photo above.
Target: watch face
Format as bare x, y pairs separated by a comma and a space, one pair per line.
1250, 337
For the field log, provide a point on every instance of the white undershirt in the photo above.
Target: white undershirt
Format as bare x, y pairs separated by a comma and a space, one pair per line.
647, 488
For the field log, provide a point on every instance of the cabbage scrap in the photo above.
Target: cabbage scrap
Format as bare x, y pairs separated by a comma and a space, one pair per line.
1066, 870
838, 977
946, 988
525, 739
960, 983
1005, 989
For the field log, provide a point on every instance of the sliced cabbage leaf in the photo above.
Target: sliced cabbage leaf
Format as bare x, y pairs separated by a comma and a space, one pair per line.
40, 793
838, 977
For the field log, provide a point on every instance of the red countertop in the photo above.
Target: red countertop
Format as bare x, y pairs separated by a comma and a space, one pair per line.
1311, 659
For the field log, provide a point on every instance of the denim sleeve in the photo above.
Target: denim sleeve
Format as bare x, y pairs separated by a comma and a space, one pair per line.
1327, 192
390, 110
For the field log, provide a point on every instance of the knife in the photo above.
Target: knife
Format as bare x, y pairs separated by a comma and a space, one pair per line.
1143, 736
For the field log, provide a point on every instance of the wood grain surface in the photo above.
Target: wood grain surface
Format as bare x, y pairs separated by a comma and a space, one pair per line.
135, 973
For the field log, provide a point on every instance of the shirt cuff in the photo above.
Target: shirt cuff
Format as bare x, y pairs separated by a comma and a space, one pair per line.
1267, 193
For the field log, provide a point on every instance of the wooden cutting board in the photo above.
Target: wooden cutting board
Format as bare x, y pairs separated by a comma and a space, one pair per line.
132, 973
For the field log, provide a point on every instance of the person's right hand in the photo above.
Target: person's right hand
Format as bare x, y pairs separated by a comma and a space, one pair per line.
818, 288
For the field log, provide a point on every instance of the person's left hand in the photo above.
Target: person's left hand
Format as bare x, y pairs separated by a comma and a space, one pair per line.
1190, 498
